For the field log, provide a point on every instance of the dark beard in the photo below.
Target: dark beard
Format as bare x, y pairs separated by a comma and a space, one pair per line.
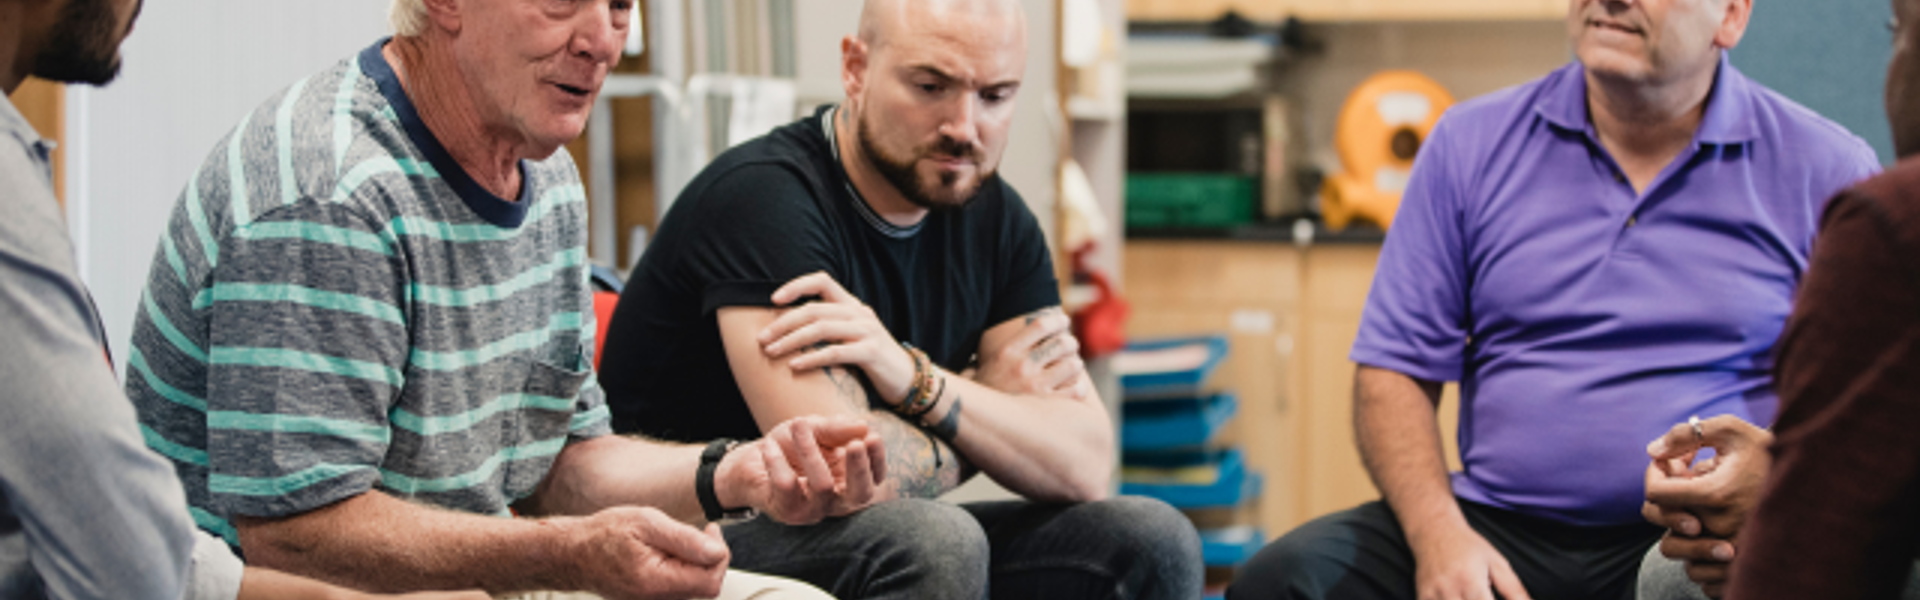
84, 47
900, 173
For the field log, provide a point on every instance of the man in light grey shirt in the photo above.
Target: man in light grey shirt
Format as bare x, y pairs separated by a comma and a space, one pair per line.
86, 511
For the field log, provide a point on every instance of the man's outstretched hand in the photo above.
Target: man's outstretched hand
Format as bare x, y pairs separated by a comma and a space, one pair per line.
806, 469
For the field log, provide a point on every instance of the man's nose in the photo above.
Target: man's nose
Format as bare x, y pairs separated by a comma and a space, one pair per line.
599, 32
959, 124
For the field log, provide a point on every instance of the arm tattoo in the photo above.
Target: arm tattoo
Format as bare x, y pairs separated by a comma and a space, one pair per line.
917, 460
949, 426
847, 388
1035, 315
1044, 351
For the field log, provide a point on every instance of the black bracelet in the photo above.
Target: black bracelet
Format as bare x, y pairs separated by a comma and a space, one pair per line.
703, 483
949, 426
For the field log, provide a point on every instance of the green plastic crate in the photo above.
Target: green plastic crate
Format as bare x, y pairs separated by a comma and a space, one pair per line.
1189, 200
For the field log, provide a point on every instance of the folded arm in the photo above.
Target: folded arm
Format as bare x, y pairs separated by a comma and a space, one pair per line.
799, 360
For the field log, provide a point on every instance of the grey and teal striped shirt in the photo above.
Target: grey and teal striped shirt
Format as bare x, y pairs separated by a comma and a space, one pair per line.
337, 307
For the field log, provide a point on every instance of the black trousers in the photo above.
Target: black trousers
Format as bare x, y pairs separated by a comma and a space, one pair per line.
1362, 554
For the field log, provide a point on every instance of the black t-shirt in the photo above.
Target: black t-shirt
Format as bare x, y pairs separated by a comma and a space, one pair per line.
779, 207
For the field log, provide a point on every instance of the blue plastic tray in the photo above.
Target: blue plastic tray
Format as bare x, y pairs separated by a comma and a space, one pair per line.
1231, 484
1174, 423
1174, 383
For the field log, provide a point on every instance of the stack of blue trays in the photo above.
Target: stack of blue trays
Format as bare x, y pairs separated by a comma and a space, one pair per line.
1174, 423
1168, 425
1191, 479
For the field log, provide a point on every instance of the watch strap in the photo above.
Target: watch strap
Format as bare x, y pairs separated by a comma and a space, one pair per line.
703, 477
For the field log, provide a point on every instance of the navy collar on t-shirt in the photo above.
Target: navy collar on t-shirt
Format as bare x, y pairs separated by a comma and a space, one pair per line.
496, 210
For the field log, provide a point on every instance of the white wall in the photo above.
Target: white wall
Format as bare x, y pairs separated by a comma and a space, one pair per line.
192, 69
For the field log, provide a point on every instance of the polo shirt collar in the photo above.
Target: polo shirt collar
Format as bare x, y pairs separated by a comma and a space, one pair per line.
1728, 118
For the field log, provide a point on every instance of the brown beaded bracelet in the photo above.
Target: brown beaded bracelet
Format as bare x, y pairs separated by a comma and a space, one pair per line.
921, 395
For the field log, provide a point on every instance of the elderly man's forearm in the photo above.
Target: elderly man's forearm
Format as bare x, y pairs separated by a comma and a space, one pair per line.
380, 543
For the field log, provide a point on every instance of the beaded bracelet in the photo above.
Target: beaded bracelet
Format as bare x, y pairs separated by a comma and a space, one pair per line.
921, 395
914, 413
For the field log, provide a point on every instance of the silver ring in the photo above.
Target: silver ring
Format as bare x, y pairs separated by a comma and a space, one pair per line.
1699, 433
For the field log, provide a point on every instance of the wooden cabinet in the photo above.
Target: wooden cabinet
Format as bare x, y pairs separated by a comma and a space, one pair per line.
44, 104
1291, 316
1346, 10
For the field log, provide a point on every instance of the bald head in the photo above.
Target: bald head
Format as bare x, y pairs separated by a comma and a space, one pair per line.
930, 95
999, 21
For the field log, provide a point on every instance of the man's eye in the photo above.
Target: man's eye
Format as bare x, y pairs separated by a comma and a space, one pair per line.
931, 88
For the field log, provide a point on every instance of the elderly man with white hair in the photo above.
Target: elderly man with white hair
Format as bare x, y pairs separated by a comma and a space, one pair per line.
366, 338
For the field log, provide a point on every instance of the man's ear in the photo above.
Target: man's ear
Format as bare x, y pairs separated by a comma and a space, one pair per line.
445, 14
1733, 23
853, 67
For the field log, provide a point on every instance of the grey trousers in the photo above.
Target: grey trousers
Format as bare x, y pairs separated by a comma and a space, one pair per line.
1125, 548
1663, 578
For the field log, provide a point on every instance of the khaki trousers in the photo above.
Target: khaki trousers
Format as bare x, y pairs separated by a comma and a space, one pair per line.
738, 585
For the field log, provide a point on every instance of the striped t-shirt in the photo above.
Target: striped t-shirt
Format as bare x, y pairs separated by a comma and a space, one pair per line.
337, 307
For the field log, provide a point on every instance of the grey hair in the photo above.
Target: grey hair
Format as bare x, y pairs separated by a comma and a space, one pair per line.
409, 17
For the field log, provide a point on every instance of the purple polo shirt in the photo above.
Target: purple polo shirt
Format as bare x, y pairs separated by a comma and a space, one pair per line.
1583, 320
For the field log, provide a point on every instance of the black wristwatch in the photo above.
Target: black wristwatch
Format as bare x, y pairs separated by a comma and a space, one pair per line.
703, 484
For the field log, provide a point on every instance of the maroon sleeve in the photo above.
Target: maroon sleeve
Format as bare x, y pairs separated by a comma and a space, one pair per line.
1840, 517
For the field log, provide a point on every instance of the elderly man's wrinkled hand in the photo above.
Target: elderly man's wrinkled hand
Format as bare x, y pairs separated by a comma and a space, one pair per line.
640, 553
807, 469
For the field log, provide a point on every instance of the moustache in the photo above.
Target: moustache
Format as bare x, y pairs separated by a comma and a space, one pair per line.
949, 147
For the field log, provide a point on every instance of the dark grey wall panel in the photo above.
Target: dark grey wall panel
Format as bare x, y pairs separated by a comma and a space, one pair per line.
1830, 55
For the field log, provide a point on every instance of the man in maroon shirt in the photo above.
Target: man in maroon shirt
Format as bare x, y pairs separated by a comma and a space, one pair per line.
1835, 509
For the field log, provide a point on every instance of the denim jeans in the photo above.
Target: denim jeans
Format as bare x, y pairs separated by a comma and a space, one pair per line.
1126, 547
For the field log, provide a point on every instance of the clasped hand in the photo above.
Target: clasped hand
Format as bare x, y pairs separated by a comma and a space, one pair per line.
1704, 503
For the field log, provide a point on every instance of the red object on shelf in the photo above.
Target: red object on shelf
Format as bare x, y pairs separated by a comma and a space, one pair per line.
1101, 326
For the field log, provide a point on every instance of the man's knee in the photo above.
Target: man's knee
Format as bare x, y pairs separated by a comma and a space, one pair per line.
1150, 529
930, 536
1154, 539
1663, 578
1342, 555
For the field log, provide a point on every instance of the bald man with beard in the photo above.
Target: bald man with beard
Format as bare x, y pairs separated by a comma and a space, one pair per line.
866, 260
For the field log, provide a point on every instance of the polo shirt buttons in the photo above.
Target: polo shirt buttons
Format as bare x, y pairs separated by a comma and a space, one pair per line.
1632, 220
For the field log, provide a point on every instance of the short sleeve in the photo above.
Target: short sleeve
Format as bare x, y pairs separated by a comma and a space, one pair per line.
1027, 283
590, 416
761, 227
309, 342
216, 571
1415, 316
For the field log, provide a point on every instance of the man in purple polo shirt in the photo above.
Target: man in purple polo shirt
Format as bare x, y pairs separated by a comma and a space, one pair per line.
1594, 256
